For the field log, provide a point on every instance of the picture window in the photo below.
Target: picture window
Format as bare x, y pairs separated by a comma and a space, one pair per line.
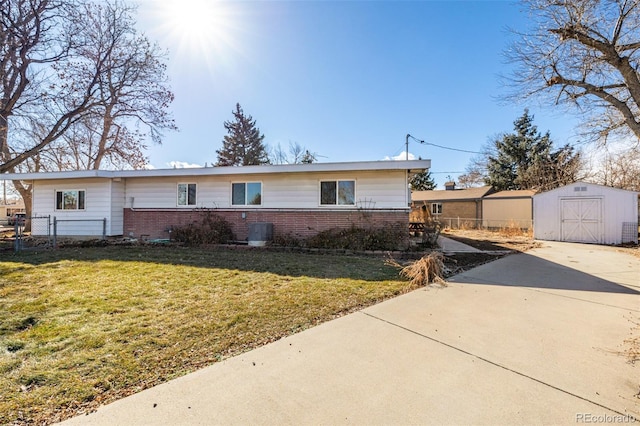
70, 199
246, 194
187, 194
338, 192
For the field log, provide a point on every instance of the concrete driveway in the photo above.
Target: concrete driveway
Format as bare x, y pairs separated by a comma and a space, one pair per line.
534, 338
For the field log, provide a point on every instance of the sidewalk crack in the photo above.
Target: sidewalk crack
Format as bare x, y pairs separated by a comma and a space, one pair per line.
440, 342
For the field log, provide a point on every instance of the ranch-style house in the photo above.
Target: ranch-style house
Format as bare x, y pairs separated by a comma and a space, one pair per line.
297, 199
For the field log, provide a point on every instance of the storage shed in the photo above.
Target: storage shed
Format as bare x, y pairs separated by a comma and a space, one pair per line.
586, 213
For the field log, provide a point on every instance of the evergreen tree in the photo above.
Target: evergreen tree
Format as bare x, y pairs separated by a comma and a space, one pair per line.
422, 182
526, 160
243, 145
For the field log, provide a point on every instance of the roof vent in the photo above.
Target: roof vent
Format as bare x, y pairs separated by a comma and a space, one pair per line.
450, 186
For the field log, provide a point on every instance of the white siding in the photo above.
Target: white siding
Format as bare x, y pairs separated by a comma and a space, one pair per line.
106, 198
380, 190
618, 206
97, 205
115, 224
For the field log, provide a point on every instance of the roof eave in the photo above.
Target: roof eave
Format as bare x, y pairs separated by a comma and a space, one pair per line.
411, 165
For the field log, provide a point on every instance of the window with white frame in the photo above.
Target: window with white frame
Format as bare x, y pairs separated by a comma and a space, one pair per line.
70, 199
187, 194
436, 208
338, 192
246, 193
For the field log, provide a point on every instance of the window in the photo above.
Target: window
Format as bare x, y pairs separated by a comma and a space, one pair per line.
436, 208
340, 192
186, 194
246, 194
70, 200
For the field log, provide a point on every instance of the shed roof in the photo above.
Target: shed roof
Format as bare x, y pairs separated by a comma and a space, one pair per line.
411, 165
519, 193
469, 194
583, 183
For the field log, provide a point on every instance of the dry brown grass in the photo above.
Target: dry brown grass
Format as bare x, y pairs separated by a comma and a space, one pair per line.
428, 269
513, 230
81, 327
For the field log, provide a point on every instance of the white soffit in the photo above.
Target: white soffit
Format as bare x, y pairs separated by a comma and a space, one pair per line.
411, 165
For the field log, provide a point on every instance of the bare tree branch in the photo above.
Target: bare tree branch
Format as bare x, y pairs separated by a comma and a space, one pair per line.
585, 56
63, 64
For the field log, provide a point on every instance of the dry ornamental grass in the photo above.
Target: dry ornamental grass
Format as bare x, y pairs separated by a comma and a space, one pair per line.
428, 269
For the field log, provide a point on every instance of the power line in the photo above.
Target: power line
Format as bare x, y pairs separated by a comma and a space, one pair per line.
436, 145
451, 149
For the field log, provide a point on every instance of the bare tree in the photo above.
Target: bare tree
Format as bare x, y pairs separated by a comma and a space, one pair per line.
88, 145
132, 93
618, 171
32, 40
79, 87
476, 171
472, 178
584, 55
35, 39
297, 154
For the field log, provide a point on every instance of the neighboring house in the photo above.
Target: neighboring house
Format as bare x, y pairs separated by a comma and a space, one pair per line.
505, 209
11, 207
587, 213
452, 204
298, 199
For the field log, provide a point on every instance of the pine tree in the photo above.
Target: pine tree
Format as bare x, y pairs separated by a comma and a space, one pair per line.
243, 145
526, 160
422, 182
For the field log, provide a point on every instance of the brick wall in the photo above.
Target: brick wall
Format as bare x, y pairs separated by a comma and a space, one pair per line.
155, 223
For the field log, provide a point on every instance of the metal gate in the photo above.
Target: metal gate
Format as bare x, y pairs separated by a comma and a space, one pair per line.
581, 220
33, 232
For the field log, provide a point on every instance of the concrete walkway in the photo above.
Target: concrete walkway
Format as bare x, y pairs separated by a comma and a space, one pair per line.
533, 338
447, 245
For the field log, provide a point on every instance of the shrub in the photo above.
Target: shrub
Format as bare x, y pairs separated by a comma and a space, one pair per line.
287, 240
390, 237
212, 229
430, 234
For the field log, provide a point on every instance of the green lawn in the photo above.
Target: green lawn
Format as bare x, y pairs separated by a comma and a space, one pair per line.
80, 327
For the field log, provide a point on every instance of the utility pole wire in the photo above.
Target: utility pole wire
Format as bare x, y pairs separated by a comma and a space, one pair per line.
433, 144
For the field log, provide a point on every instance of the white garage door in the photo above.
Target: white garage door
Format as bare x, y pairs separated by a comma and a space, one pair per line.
582, 220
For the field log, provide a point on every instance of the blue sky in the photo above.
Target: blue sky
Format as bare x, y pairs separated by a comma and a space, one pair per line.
347, 80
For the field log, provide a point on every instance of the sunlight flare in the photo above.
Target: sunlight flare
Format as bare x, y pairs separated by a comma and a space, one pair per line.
199, 30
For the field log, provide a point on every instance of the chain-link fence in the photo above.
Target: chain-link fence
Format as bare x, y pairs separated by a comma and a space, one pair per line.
79, 228
44, 231
493, 224
32, 233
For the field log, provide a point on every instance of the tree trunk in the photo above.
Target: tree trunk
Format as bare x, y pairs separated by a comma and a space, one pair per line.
27, 197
